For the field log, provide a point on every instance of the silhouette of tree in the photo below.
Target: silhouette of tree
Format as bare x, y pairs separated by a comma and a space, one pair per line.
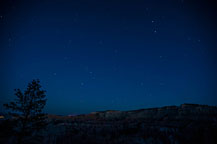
26, 110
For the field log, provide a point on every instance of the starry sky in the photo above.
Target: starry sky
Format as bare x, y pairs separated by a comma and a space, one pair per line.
93, 55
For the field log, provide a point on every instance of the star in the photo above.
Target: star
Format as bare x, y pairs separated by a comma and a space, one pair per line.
93, 78
74, 20
100, 42
161, 83
155, 31
116, 51
65, 58
189, 38
82, 84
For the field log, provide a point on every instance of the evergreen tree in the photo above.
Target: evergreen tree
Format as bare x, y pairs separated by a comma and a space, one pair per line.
26, 110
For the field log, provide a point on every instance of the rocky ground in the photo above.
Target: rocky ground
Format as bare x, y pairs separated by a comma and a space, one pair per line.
188, 123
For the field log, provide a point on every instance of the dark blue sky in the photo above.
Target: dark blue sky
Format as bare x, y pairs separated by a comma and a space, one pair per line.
93, 55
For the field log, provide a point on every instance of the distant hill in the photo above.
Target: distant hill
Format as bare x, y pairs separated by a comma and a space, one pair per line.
184, 111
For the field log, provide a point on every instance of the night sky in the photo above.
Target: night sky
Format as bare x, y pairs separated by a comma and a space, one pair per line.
93, 55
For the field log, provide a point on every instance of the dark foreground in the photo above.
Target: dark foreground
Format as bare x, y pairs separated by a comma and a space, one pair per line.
167, 125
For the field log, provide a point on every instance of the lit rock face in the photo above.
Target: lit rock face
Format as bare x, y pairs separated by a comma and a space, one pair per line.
185, 111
